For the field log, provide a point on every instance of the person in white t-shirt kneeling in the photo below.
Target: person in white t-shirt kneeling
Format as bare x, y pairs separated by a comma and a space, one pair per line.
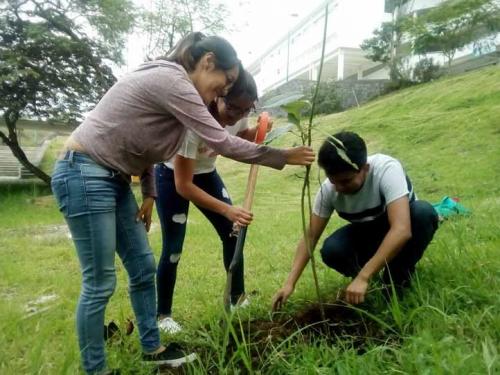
388, 227
191, 176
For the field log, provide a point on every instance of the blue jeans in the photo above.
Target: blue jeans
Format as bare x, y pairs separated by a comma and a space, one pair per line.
173, 212
100, 210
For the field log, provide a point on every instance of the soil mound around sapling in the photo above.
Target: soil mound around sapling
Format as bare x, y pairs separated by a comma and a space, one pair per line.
342, 323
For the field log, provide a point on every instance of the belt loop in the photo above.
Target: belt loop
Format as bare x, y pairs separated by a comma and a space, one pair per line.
71, 157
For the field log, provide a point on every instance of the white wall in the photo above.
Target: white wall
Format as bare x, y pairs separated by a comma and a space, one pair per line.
349, 23
414, 5
379, 74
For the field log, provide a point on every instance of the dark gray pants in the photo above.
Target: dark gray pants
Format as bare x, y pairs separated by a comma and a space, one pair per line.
350, 247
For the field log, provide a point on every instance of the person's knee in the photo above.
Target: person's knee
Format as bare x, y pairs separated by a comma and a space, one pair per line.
110, 289
224, 229
101, 288
327, 252
424, 223
145, 270
423, 215
179, 218
174, 258
337, 254
333, 252
172, 250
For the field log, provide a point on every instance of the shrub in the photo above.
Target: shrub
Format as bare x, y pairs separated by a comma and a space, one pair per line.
426, 70
327, 100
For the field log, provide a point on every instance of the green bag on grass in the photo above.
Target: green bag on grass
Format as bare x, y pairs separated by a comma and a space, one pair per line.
449, 207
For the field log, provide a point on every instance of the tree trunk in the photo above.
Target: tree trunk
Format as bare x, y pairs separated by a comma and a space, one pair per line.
449, 56
16, 149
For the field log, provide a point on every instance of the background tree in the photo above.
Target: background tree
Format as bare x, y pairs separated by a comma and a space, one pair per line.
453, 25
385, 46
167, 21
54, 60
378, 48
446, 28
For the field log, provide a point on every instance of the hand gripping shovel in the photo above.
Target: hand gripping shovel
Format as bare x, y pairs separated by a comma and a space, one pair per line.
247, 205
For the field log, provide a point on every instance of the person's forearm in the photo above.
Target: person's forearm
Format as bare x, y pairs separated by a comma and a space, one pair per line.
200, 198
299, 262
248, 134
393, 242
148, 186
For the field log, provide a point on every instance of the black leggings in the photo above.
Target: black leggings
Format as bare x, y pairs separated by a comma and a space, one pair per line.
350, 247
173, 212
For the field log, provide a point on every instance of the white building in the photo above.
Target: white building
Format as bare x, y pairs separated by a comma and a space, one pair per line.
410, 6
297, 54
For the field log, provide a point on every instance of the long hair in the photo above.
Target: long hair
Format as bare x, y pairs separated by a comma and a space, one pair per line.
244, 86
195, 45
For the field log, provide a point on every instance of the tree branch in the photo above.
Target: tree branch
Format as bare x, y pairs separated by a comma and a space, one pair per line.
16, 149
4, 138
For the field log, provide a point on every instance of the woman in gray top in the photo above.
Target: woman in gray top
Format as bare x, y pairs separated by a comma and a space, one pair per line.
140, 121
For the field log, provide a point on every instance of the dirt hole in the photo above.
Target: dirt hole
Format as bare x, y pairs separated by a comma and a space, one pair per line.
343, 326
341, 322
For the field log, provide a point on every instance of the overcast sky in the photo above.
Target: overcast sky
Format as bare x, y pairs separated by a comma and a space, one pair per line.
261, 23
257, 24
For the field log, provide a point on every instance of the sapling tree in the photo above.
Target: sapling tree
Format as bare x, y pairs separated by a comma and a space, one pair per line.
294, 109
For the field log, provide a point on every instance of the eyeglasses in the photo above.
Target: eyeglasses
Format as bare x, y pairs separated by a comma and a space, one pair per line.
236, 110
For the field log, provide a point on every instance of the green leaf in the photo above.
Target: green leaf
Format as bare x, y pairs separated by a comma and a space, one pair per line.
338, 142
295, 121
294, 110
296, 107
277, 132
340, 148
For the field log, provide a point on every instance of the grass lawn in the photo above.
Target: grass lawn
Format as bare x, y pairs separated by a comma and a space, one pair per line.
447, 135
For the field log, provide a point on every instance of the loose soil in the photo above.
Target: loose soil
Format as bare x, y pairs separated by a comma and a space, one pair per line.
342, 324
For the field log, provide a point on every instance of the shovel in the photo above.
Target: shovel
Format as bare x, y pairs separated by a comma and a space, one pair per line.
241, 232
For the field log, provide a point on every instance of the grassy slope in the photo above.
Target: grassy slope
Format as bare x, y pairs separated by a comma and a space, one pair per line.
446, 134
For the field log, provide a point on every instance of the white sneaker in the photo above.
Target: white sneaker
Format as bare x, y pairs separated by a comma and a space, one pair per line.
241, 304
168, 325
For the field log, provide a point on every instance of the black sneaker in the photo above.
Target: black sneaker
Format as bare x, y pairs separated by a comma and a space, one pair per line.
172, 356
